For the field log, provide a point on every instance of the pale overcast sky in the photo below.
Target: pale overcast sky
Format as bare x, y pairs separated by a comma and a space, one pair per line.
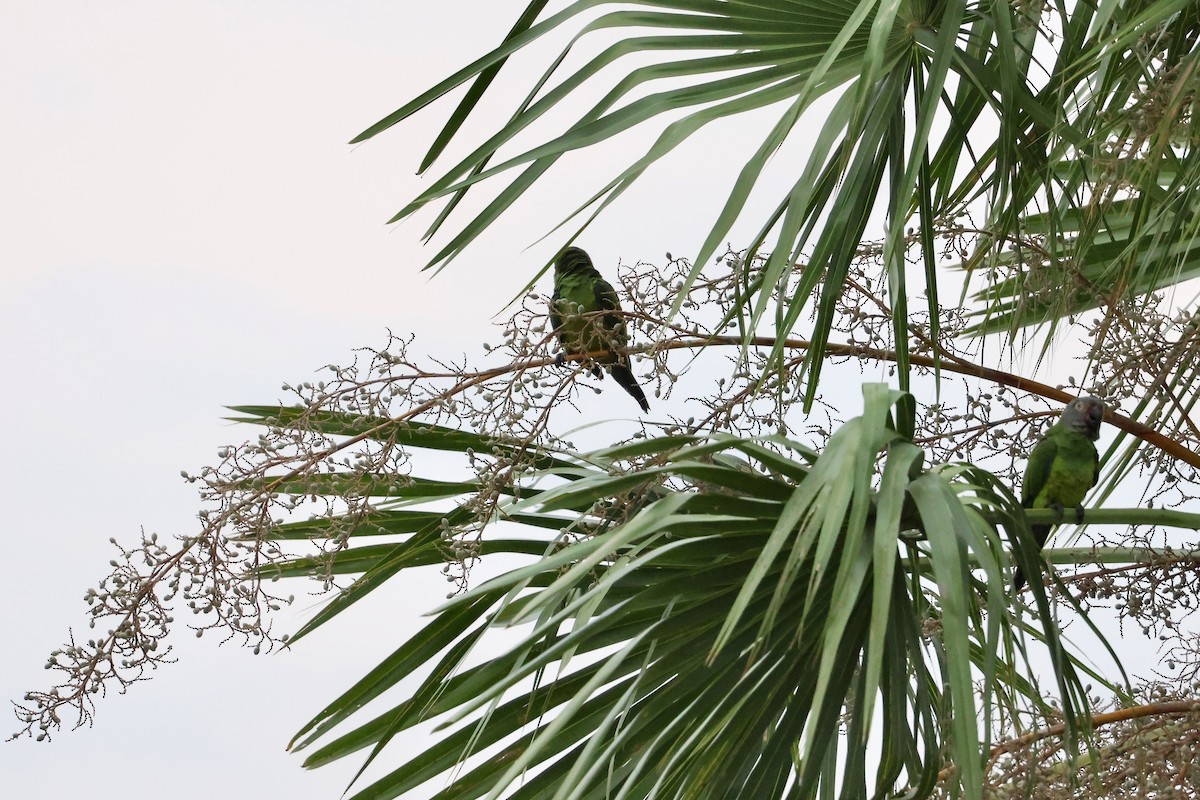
185, 227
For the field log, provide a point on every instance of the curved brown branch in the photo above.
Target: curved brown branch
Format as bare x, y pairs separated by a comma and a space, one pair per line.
1163, 709
1167, 708
950, 363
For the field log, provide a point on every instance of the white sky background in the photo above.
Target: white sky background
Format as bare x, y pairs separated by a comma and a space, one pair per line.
184, 227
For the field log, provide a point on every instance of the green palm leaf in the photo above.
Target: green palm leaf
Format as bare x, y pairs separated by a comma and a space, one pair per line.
706, 636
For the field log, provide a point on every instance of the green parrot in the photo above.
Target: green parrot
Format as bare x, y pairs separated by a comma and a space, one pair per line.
1064, 465
579, 289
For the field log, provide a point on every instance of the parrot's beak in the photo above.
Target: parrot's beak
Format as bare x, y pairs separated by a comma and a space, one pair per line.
1095, 416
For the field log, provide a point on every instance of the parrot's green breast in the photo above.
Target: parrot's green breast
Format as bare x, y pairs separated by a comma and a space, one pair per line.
1068, 470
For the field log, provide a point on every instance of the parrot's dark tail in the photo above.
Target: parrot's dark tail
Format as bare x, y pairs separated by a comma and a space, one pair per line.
624, 377
1040, 533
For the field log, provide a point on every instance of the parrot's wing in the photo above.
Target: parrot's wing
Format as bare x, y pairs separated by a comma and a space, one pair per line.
604, 296
1037, 471
605, 299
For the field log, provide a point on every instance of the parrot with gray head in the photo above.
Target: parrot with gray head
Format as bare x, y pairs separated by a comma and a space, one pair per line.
1063, 466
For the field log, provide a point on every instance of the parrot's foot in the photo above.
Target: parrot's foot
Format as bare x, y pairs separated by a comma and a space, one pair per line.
1058, 509
560, 359
1079, 514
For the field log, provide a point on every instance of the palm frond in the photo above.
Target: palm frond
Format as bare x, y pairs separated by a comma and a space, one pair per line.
714, 617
